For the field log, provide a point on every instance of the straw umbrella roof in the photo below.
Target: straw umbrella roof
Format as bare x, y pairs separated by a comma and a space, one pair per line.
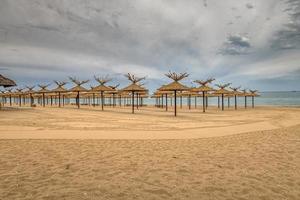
203, 88
19, 91
6, 82
114, 89
134, 86
78, 87
222, 89
174, 86
29, 90
235, 90
43, 89
60, 87
245, 93
253, 93
102, 87
203, 85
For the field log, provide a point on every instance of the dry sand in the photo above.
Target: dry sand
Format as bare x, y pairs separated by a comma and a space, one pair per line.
147, 123
254, 154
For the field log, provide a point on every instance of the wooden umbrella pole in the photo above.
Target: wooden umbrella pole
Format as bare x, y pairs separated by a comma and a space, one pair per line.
166, 102
206, 101
10, 100
252, 101
245, 101
228, 102
94, 100
203, 95
102, 99
222, 101
20, 100
235, 102
195, 101
132, 102
59, 99
114, 100
175, 103
218, 101
137, 101
78, 100
189, 102
43, 99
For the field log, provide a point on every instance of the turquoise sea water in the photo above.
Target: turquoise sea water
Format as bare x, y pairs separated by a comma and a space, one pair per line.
266, 98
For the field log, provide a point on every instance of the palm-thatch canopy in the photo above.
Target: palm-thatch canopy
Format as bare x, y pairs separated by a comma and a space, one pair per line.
6, 82
235, 90
30, 90
203, 85
43, 88
78, 87
60, 86
102, 87
175, 85
222, 89
253, 93
134, 86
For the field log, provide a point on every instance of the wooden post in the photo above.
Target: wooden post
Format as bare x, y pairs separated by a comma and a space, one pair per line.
102, 101
203, 97
235, 102
222, 101
175, 103
166, 102
78, 100
132, 102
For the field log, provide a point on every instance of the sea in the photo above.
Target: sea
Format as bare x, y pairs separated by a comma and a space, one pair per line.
274, 98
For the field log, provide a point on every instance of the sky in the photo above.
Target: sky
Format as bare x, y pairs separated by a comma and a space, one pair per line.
250, 43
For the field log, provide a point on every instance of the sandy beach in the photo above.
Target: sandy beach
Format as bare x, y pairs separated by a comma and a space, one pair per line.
52, 154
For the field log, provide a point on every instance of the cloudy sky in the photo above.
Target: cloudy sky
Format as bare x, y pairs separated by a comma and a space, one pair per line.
252, 43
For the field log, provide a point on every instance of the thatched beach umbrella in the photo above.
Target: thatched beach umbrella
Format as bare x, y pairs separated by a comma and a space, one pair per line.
9, 94
166, 94
29, 92
59, 89
133, 87
253, 93
19, 93
6, 82
102, 88
114, 92
175, 86
235, 92
245, 94
204, 89
42, 91
221, 91
78, 88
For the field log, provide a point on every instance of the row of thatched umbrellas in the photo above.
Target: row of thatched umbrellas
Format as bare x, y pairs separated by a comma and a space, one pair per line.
174, 87
135, 89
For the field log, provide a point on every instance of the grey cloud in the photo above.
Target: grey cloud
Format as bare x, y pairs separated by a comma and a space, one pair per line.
249, 6
289, 36
236, 45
